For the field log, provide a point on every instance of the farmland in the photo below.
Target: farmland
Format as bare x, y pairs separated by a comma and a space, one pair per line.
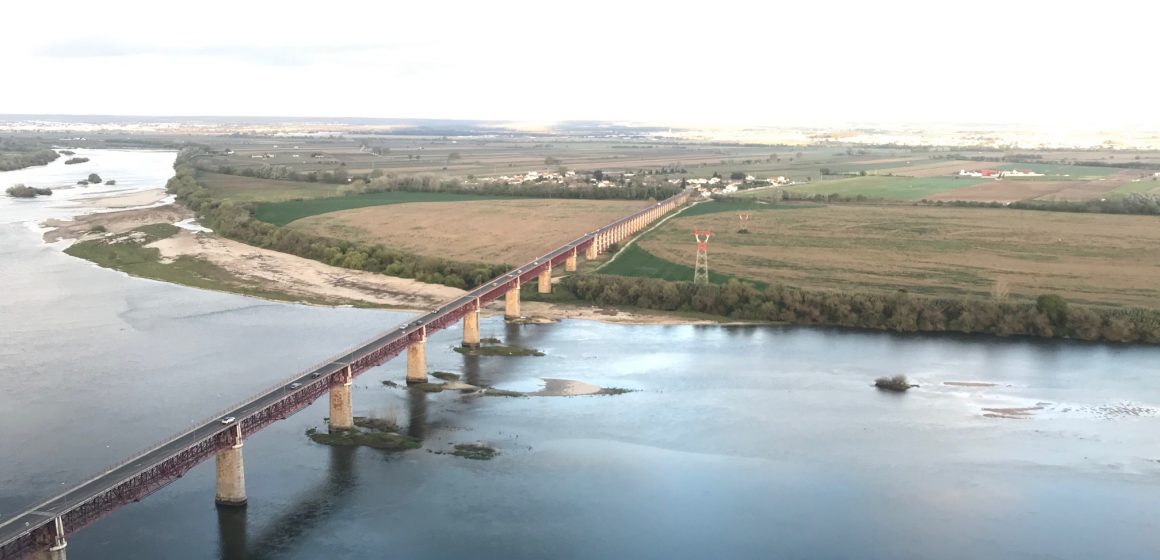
890, 188
282, 213
897, 173
250, 189
1099, 259
493, 231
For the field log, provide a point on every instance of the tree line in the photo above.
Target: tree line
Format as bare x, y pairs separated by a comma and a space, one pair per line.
1143, 204
282, 173
428, 183
377, 181
1050, 316
1034, 158
1134, 203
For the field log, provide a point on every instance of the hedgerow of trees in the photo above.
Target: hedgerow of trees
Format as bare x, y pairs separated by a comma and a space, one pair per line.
1049, 317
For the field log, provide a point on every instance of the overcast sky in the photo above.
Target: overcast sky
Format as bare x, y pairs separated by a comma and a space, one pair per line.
721, 62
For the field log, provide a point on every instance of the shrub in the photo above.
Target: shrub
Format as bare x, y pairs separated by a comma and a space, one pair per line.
24, 191
897, 383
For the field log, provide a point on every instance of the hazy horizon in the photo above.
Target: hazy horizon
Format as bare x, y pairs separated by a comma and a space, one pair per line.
901, 62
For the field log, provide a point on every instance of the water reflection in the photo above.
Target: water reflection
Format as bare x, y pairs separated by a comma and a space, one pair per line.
301, 517
232, 533
471, 369
417, 413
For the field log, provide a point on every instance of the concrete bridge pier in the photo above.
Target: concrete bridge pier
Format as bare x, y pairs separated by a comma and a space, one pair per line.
590, 254
545, 281
471, 327
417, 360
231, 475
511, 303
57, 550
570, 262
341, 411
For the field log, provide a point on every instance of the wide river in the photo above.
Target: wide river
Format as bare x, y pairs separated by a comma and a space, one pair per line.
738, 442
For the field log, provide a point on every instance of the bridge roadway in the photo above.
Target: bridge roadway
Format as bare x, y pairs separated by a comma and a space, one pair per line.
151, 470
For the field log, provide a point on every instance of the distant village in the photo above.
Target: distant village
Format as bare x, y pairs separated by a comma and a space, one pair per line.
614, 179
993, 174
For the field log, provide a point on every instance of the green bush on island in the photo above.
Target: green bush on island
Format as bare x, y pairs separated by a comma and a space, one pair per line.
897, 383
498, 350
111, 182
66, 152
94, 178
370, 432
475, 451
24, 191
75, 160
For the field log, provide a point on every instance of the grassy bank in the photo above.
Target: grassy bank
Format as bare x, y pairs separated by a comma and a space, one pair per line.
129, 253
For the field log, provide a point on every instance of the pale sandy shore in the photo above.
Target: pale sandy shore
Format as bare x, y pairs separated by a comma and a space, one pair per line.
126, 200
299, 277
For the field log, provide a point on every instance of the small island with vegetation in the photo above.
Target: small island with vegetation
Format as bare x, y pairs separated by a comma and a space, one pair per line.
493, 347
24, 191
378, 433
94, 178
18, 153
75, 160
898, 383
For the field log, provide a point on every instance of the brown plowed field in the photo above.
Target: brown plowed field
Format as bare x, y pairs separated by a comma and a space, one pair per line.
1013, 190
1091, 258
491, 231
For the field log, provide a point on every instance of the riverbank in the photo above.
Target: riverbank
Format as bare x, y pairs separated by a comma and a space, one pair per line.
230, 266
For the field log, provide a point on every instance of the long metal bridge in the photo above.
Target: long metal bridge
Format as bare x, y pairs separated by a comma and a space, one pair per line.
41, 530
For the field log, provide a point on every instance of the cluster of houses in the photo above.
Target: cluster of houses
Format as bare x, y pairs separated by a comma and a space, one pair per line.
610, 179
717, 185
532, 177
993, 174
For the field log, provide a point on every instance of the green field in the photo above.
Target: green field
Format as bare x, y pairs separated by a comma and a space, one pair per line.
890, 188
740, 204
1144, 186
282, 213
635, 261
1055, 171
250, 189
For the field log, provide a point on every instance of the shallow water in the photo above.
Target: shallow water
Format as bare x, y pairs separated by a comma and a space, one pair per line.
739, 442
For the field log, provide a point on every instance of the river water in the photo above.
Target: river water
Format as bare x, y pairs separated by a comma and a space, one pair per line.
738, 442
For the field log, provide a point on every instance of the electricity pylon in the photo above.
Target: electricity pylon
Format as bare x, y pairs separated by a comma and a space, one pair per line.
701, 271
